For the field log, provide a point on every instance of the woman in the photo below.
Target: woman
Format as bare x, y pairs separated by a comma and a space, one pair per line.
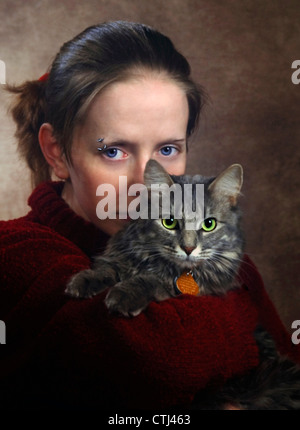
116, 95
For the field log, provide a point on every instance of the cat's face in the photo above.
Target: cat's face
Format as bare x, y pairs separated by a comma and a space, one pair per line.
216, 240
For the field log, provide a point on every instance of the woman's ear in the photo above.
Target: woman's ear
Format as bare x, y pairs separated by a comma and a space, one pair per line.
52, 151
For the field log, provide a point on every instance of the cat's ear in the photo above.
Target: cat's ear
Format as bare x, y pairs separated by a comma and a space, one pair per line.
156, 174
228, 184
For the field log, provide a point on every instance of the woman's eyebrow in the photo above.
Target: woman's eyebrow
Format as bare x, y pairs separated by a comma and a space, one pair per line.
170, 141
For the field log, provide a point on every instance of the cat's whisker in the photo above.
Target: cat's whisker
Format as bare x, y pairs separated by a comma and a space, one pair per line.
223, 263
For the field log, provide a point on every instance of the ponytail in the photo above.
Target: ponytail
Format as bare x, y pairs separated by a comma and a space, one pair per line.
28, 111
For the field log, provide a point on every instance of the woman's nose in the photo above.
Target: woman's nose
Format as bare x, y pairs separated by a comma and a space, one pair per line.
137, 172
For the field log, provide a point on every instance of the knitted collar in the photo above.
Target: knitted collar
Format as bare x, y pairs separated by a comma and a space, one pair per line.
49, 209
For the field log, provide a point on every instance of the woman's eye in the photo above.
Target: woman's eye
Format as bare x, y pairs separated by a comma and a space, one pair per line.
113, 153
168, 150
209, 224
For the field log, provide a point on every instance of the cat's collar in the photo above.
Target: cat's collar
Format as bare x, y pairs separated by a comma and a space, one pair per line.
186, 284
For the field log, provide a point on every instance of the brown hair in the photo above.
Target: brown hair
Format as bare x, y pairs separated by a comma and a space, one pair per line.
98, 56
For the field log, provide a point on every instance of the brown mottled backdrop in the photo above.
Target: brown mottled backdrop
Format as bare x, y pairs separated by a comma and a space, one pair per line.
241, 52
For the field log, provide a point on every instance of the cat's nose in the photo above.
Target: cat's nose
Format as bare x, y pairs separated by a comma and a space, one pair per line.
188, 249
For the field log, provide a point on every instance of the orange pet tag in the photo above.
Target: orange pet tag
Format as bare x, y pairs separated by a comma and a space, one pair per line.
186, 284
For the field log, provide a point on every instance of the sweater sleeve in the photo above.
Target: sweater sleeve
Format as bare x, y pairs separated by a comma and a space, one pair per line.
67, 352
267, 314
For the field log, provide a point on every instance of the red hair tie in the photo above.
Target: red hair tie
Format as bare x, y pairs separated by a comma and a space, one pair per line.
44, 77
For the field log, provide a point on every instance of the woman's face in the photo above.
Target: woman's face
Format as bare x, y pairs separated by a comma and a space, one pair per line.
137, 120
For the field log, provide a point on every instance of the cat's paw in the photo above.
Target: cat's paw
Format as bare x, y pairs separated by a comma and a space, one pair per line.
85, 285
119, 300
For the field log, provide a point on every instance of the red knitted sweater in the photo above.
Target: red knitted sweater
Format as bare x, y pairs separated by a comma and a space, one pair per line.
68, 353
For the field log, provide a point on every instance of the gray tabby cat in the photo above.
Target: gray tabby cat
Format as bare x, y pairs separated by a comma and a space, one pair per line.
143, 262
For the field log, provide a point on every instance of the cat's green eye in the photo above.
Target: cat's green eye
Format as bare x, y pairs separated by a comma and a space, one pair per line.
209, 224
170, 223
